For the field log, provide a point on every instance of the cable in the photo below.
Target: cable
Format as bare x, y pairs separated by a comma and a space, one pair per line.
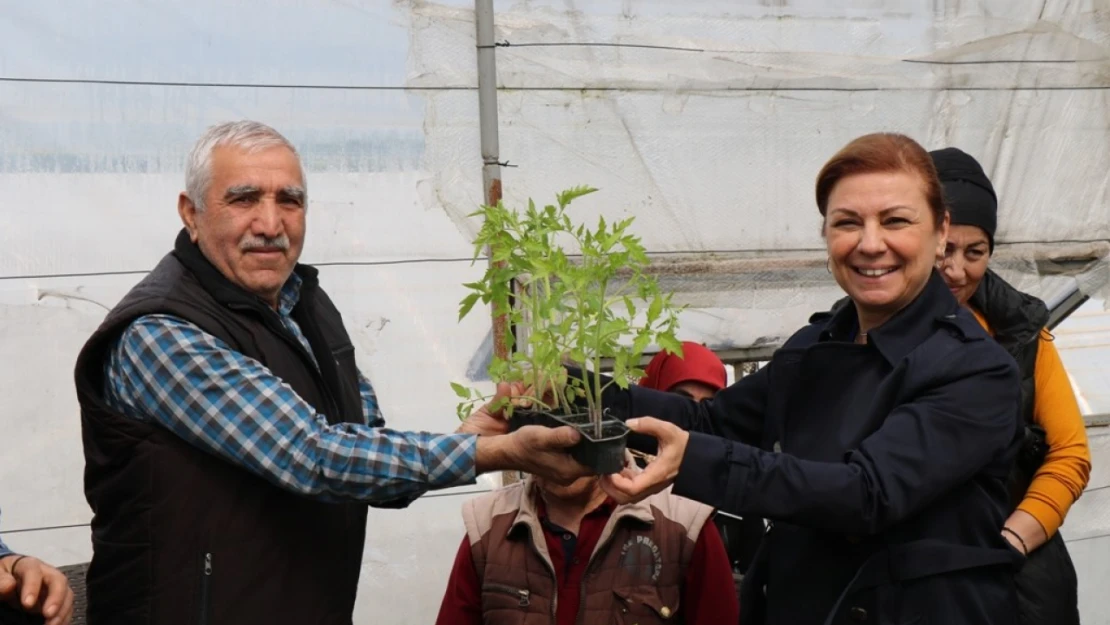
27, 530
578, 88
159, 83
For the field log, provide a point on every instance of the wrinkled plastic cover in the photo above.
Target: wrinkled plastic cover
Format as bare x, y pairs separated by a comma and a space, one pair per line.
713, 144
714, 141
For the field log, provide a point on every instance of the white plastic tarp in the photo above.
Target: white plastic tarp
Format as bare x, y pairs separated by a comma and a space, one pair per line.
713, 143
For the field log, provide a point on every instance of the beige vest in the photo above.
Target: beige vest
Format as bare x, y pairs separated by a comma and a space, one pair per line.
634, 576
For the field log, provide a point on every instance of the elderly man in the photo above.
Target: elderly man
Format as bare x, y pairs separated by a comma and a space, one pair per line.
231, 443
31, 586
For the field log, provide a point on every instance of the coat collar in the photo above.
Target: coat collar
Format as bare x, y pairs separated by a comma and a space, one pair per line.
907, 329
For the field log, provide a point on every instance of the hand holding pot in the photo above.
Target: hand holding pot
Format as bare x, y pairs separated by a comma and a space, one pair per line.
629, 486
534, 449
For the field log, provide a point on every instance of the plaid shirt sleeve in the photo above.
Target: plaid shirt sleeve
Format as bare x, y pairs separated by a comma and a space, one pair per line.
3, 548
168, 371
4, 551
370, 409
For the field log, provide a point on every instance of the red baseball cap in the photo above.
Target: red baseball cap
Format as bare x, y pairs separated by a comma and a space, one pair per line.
697, 364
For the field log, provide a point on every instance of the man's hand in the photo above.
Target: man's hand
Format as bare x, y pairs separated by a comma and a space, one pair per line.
628, 486
489, 420
37, 588
534, 449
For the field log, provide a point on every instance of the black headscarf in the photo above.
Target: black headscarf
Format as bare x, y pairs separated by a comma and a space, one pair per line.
968, 192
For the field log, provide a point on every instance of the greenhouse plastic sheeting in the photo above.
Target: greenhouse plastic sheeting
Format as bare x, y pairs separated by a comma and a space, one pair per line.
706, 120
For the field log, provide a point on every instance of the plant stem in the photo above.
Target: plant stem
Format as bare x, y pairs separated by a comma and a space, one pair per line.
597, 365
533, 305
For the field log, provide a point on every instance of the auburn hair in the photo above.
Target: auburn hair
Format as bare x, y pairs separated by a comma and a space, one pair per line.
882, 152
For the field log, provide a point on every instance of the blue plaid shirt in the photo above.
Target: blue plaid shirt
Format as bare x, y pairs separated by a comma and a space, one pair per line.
4, 551
168, 371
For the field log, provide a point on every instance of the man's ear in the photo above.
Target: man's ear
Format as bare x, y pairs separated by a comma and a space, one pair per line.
188, 212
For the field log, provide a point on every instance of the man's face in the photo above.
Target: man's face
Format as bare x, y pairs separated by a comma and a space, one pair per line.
252, 226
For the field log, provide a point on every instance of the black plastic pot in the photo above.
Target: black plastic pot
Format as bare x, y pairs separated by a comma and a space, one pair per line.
604, 454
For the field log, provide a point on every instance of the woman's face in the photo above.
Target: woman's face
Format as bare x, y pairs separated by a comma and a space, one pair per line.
965, 260
882, 240
693, 389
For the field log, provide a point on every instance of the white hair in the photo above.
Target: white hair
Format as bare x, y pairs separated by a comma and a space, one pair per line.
249, 136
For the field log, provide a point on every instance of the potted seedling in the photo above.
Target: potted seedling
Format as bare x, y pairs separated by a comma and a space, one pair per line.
573, 295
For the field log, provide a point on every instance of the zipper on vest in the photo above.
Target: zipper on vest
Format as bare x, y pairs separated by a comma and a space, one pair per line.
523, 595
554, 579
205, 582
594, 559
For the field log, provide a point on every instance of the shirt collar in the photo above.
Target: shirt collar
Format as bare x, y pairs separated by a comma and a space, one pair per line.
290, 294
907, 329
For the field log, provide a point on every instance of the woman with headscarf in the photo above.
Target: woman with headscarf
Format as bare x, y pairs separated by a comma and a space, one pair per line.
1054, 462
698, 373
877, 440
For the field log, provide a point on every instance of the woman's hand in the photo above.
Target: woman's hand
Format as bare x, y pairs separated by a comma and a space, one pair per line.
660, 473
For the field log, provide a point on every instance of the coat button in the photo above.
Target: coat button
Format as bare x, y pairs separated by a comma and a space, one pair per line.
858, 614
777, 447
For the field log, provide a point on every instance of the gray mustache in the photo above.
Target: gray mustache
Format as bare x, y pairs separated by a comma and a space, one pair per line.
250, 242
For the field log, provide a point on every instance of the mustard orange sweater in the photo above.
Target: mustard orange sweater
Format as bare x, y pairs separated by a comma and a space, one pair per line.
1063, 476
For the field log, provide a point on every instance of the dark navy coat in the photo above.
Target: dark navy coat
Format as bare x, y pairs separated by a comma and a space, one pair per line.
882, 468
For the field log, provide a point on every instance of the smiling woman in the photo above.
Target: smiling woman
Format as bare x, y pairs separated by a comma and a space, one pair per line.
877, 441
885, 223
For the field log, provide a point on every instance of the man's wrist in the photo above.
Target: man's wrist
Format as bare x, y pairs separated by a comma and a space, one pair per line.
492, 453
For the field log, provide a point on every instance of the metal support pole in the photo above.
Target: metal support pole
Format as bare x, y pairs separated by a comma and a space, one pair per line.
487, 120
491, 153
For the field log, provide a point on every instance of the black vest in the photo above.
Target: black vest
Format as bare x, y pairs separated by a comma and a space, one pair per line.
183, 537
1016, 319
1047, 586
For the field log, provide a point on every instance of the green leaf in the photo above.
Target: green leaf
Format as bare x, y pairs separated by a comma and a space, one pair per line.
568, 196
468, 303
654, 308
669, 343
460, 390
